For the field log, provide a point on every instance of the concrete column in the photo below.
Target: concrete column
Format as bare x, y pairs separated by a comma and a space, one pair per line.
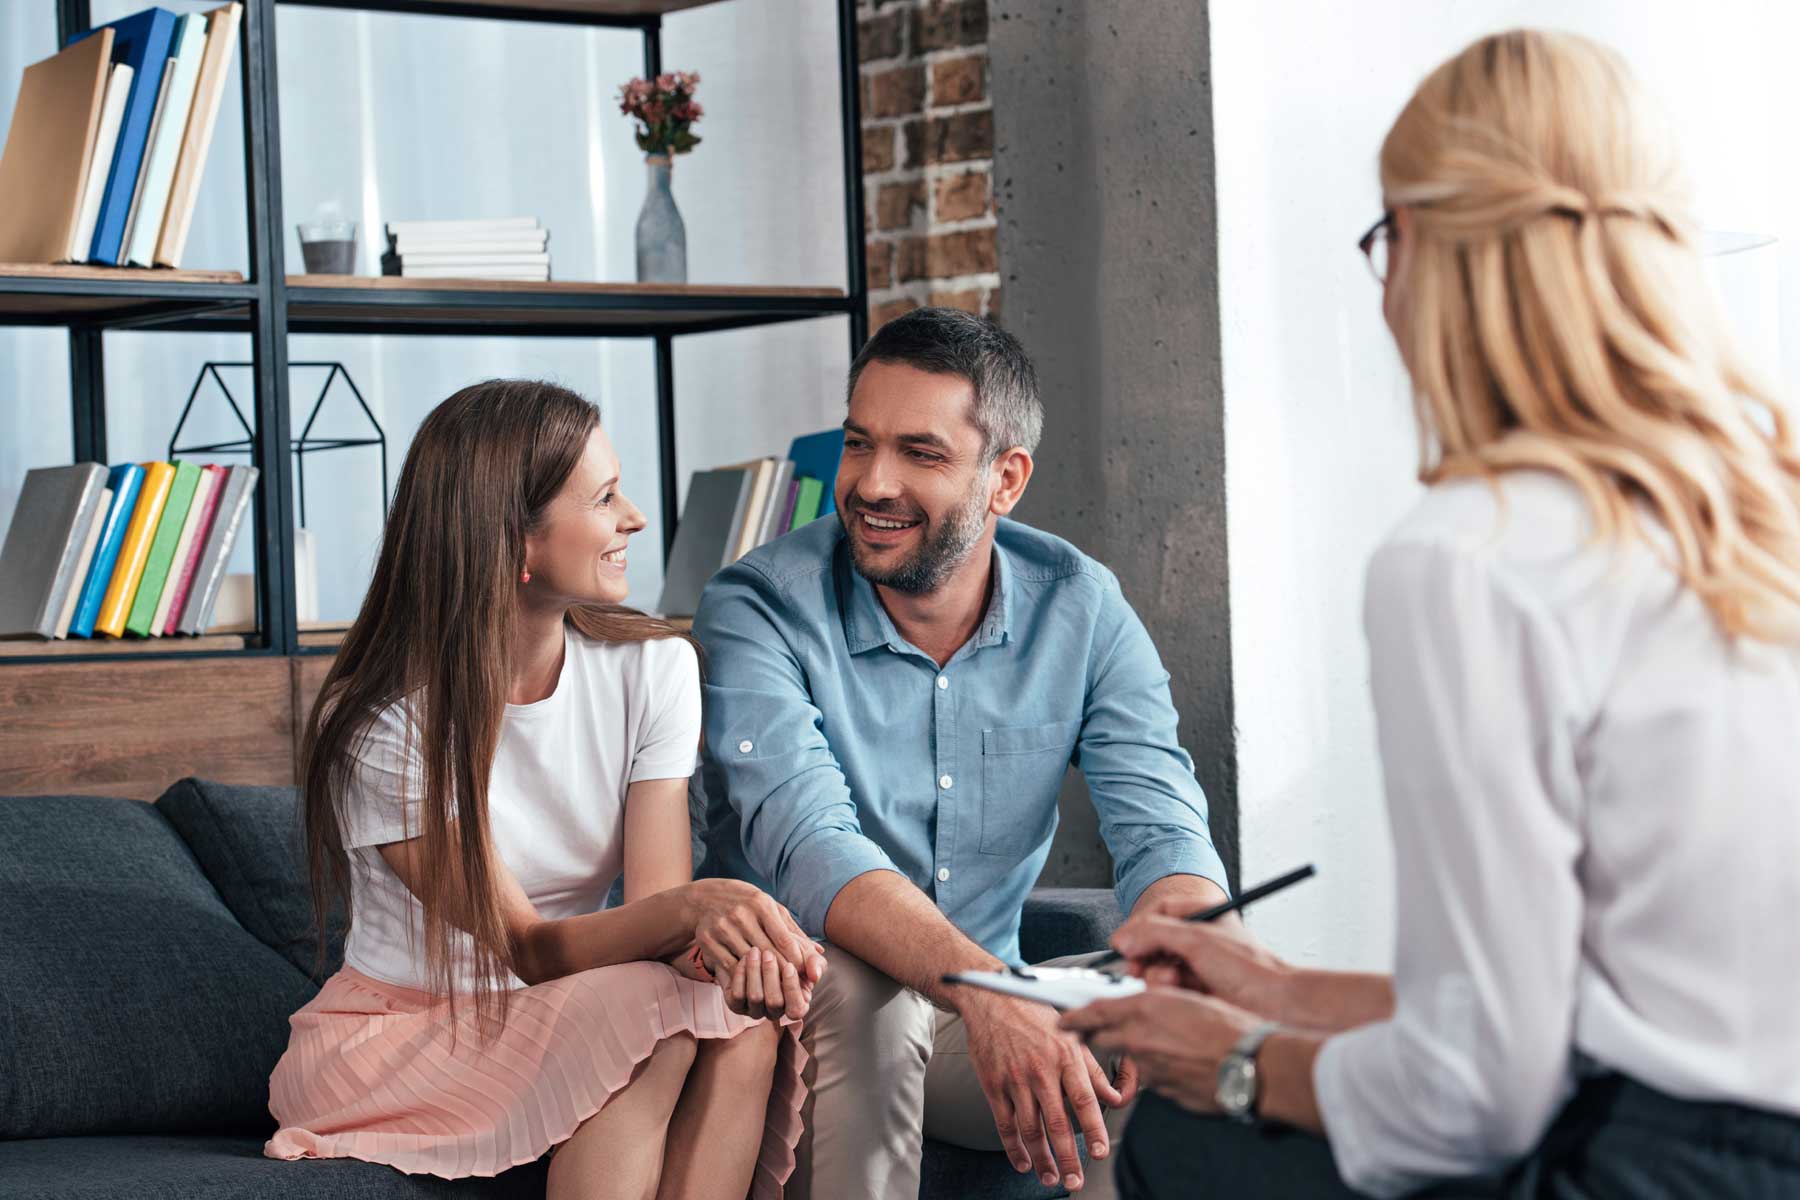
1104, 180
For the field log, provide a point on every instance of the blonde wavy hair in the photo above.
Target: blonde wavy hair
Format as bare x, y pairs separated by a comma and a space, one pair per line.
1555, 314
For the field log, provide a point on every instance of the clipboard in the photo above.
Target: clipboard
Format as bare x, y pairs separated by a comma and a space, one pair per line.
1062, 988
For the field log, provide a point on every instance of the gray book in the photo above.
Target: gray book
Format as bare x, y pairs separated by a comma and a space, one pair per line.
209, 576
43, 546
710, 520
771, 514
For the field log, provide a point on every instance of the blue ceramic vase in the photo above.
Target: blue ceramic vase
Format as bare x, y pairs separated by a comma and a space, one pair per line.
661, 236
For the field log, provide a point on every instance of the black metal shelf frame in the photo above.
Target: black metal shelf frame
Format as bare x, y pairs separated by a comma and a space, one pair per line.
263, 306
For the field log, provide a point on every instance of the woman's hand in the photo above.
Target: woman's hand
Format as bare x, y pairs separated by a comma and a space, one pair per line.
1176, 1038
1167, 952
730, 919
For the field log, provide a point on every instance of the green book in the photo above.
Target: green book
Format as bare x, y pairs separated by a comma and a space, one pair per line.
806, 505
162, 549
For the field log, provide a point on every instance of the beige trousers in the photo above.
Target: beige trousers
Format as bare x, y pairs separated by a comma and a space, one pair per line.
887, 1071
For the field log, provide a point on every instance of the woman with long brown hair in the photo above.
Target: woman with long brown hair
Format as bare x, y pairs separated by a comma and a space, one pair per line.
1584, 648
497, 741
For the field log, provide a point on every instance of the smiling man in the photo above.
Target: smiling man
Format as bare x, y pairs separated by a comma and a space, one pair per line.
892, 700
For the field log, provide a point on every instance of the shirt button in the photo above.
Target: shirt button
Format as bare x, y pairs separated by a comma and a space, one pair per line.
746, 746
943, 874
944, 782
943, 682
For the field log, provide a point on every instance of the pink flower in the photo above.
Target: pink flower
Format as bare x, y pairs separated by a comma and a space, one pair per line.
653, 112
665, 83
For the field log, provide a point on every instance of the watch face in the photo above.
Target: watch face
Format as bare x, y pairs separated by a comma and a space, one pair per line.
1237, 1085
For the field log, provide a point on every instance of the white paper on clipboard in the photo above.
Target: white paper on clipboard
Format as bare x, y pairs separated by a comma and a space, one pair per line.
1062, 988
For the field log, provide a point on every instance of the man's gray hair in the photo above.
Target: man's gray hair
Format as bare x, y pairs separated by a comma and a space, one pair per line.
948, 341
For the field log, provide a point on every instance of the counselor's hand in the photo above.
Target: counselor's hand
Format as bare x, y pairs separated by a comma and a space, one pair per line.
1177, 1038
1032, 1074
1226, 963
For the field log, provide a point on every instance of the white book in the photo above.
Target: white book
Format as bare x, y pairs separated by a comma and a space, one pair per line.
451, 228
166, 134
81, 565
527, 274
541, 259
183, 546
510, 244
106, 140
137, 189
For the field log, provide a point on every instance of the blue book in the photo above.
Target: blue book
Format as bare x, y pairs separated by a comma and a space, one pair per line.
143, 42
817, 455
124, 481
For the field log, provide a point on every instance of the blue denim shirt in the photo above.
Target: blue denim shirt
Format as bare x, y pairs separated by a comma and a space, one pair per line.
834, 747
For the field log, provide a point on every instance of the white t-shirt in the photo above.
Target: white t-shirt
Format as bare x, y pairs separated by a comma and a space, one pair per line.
1595, 805
621, 713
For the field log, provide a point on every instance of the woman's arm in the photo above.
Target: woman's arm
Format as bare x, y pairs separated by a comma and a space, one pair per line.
658, 845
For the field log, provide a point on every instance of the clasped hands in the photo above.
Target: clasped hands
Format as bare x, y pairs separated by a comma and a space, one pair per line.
1209, 984
752, 947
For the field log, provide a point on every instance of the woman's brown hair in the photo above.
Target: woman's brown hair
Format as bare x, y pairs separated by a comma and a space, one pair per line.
434, 635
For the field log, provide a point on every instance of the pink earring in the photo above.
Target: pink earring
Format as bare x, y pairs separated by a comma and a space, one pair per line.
524, 576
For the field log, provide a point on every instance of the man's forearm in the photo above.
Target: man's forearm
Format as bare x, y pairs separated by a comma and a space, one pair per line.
1333, 1001
867, 917
1182, 895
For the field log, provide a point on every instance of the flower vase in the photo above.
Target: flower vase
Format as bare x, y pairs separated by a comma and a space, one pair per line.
661, 236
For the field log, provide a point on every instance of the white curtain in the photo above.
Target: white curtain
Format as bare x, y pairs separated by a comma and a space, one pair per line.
393, 117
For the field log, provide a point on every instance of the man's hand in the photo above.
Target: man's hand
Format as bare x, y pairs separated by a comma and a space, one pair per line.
1032, 1075
1177, 1039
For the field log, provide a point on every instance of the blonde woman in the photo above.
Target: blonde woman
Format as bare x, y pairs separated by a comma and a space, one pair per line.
1585, 658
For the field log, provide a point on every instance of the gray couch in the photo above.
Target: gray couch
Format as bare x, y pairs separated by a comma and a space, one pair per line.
149, 958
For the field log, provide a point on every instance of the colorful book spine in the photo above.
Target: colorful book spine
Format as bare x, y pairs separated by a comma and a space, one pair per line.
125, 482
786, 521
134, 552
806, 505
142, 42
162, 548
238, 486
207, 505
81, 567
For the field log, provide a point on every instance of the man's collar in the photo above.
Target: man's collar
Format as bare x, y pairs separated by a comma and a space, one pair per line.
867, 624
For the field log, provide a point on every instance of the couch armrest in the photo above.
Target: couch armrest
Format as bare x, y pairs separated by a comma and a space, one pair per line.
1062, 921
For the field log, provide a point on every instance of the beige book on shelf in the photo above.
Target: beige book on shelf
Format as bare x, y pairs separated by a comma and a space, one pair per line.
45, 164
184, 191
762, 478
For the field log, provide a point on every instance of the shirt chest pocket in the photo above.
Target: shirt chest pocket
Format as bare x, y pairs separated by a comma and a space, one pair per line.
1022, 769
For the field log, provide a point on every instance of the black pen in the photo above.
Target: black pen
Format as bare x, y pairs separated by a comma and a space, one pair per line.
1218, 910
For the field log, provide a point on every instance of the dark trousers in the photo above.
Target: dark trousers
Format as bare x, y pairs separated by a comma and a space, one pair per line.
1615, 1140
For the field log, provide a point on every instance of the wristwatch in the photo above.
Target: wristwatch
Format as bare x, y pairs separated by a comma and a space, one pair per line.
1239, 1084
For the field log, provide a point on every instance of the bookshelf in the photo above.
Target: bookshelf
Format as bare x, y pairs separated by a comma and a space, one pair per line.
271, 304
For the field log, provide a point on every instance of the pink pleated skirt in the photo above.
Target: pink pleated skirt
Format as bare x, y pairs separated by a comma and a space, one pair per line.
370, 1072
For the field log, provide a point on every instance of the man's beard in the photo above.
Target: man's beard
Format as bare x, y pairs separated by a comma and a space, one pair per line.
945, 546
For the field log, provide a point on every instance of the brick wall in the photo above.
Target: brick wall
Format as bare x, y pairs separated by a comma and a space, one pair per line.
928, 156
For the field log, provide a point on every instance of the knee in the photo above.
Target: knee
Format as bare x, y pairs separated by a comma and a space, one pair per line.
675, 1053
750, 1056
857, 1002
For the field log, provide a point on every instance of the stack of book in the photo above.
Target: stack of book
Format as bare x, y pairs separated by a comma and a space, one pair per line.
140, 549
730, 511
505, 248
109, 141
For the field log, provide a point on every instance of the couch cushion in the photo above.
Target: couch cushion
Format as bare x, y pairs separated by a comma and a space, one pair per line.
1058, 922
949, 1172
130, 998
249, 843
194, 1168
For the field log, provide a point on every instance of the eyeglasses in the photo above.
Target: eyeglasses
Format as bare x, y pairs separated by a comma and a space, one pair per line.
1377, 245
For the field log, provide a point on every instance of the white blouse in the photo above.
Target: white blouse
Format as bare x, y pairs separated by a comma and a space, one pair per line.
1595, 803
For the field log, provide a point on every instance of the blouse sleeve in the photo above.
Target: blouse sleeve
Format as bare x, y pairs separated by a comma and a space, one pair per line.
1477, 704
668, 744
387, 780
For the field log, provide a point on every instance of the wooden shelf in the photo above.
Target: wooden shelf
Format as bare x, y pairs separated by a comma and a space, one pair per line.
42, 294
212, 643
395, 304
589, 12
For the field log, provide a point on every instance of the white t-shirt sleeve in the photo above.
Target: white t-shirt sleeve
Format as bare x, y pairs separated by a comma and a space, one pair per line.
668, 743
387, 780
1477, 705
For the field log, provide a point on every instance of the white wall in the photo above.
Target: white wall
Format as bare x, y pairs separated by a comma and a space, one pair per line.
1319, 439
394, 117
